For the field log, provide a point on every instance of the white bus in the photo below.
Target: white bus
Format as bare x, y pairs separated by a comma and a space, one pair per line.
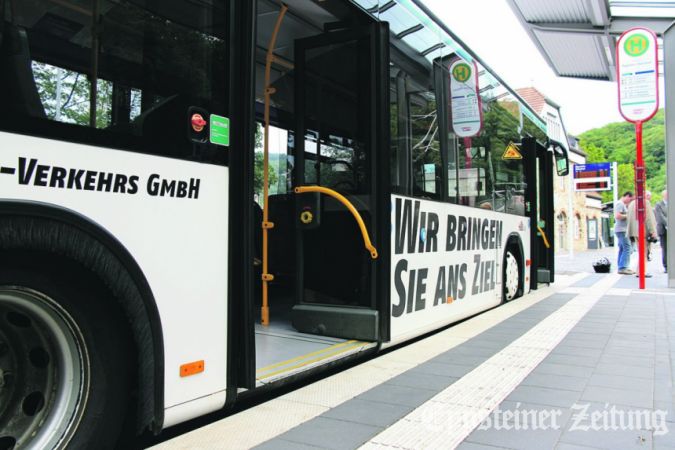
148, 277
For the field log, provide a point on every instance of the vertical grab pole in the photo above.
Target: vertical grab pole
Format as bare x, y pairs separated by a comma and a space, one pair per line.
266, 224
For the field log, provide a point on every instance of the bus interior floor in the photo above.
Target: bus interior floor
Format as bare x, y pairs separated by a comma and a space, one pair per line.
281, 350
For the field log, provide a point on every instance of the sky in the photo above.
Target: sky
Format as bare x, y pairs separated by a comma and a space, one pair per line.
500, 41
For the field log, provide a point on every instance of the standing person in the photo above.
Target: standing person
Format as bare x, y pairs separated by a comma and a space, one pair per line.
633, 229
661, 213
648, 244
620, 227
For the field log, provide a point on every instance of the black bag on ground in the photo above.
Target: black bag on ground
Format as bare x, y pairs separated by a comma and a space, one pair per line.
602, 265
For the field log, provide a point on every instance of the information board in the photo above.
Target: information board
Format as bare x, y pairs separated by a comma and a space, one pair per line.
593, 177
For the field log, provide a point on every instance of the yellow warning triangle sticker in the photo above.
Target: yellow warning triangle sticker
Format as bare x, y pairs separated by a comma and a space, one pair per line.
512, 152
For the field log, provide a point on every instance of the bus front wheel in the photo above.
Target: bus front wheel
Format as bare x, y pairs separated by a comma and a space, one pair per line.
64, 377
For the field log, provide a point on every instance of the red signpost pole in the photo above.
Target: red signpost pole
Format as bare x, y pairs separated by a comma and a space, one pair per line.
637, 74
640, 206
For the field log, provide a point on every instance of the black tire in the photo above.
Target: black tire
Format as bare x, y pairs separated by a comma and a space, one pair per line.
509, 292
32, 296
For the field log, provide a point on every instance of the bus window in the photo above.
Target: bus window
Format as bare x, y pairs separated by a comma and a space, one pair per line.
135, 80
474, 186
426, 151
507, 157
414, 126
486, 175
280, 162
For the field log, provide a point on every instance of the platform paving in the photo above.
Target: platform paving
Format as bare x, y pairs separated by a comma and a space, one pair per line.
405, 392
618, 356
614, 359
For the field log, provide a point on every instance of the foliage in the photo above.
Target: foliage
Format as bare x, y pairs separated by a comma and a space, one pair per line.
65, 95
258, 167
616, 142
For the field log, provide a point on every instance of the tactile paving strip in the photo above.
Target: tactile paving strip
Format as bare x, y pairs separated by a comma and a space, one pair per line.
448, 418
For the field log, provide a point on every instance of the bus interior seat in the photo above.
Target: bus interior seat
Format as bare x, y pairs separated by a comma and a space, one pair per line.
17, 82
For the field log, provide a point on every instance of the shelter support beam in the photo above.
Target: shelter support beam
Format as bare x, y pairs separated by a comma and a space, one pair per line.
669, 81
617, 26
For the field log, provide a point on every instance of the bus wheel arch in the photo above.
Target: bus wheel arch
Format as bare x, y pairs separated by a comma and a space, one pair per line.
513, 269
44, 237
67, 360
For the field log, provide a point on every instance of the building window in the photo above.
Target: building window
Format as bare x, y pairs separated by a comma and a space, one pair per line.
562, 229
577, 226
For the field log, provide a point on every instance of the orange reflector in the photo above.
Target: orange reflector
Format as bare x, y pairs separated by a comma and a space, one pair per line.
192, 368
527, 278
528, 262
450, 299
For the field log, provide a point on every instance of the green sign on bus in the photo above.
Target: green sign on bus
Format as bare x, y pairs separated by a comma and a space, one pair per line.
220, 130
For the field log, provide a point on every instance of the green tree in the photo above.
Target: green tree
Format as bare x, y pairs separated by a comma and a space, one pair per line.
595, 153
65, 95
258, 166
616, 142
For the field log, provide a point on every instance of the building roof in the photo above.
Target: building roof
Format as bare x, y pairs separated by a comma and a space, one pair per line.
577, 37
573, 142
533, 97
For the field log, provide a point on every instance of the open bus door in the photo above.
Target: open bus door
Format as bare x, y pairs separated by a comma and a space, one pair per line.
539, 167
340, 138
328, 214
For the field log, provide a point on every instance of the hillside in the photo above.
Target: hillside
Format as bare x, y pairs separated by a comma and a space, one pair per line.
616, 142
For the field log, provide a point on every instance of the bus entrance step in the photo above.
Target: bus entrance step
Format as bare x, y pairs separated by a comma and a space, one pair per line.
342, 322
543, 275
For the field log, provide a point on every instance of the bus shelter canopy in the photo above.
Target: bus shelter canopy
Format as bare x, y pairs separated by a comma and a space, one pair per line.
577, 37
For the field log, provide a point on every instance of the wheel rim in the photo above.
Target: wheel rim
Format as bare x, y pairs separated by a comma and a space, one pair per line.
511, 277
44, 368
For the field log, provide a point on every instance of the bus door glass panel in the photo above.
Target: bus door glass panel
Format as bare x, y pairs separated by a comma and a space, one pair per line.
545, 212
510, 185
501, 138
335, 104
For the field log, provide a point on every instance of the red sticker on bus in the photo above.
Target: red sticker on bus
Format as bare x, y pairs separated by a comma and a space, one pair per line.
198, 122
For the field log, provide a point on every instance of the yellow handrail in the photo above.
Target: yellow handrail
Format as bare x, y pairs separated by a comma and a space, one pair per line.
543, 236
266, 224
339, 197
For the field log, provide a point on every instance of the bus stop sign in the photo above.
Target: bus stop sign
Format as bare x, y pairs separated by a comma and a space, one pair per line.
637, 74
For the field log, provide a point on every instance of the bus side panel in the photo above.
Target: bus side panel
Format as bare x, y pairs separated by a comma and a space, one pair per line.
171, 216
445, 269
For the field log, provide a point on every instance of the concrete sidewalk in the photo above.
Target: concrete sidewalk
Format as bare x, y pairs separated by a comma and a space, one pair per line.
582, 262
